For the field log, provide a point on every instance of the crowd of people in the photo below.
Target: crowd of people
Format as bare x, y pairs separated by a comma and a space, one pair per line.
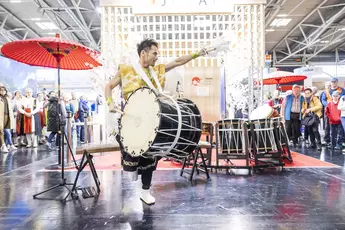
312, 111
25, 120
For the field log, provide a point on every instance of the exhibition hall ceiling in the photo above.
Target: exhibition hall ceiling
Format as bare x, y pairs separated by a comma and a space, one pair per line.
293, 27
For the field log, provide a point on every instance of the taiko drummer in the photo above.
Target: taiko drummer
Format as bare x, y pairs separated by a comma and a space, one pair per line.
131, 78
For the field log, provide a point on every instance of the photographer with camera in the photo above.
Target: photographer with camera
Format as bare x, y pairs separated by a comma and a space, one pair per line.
53, 118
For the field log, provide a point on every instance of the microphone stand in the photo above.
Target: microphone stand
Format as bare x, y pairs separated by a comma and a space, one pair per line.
178, 90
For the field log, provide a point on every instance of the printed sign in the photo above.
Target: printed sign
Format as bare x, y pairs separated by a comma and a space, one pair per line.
196, 81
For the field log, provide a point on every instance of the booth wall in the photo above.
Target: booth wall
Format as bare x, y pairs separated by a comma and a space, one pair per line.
206, 95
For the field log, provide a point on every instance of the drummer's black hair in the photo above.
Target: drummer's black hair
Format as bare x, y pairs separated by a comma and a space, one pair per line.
146, 45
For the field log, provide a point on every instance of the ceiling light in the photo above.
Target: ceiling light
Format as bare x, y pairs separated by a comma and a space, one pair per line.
270, 30
324, 41
280, 22
99, 10
47, 25
36, 19
341, 29
15, 1
282, 15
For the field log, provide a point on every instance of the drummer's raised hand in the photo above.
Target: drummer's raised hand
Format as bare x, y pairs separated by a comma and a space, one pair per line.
112, 107
203, 52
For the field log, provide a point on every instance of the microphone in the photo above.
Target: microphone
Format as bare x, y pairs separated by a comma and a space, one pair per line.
178, 87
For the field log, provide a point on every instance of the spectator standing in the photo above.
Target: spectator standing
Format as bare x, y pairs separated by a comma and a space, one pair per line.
83, 108
291, 113
333, 114
312, 105
6, 121
53, 119
276, 101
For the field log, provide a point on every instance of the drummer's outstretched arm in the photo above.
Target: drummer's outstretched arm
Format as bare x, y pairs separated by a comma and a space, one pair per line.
115, 81
184, 59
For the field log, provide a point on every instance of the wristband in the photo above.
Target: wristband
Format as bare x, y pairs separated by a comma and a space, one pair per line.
195, 55
109, 100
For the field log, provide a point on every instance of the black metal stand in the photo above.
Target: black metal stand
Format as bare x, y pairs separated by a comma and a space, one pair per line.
196, 167
61, 150
266, 159
87, 192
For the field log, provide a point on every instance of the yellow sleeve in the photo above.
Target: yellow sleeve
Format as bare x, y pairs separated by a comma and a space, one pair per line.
317, 105
160, 70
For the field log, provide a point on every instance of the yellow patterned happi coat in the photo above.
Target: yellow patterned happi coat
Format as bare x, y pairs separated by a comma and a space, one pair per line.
131, 81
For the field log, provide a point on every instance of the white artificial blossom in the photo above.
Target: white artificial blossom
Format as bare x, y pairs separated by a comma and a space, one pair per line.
110, 60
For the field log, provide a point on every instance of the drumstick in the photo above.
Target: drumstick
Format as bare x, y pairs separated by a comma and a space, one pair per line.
119, 111
116, 110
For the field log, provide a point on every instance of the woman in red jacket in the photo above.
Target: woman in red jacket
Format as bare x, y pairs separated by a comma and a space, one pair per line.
276, 101
333, 114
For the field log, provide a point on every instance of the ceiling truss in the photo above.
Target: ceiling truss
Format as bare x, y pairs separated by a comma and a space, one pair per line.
11, 34
314, 38
74, 27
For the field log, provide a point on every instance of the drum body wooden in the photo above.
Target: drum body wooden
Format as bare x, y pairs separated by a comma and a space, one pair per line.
154, 124
231, 135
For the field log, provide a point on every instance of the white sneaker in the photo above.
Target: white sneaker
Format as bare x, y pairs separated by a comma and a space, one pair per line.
146, 197
4, 149
12, 147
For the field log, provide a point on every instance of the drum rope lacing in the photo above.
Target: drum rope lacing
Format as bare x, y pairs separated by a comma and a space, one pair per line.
153, 74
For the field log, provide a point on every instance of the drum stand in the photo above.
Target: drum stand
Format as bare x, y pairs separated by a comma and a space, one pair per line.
87, 192
196, 167
266, 148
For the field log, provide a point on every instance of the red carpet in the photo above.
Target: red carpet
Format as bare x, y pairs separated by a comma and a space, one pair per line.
111, 161
303, 161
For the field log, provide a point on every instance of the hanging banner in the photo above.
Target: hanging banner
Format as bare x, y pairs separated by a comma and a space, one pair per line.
142, 7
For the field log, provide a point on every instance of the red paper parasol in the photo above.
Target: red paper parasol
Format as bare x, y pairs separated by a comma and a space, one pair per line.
53, 53
48, 52
282, 77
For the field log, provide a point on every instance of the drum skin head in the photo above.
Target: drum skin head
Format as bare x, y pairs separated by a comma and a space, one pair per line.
261, 112
140, 121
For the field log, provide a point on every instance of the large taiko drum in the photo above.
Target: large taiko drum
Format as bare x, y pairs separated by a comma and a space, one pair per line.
155, 124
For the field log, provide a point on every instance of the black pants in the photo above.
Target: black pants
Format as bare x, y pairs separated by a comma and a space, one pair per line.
337, 133
146, 175
314, 133
327, 137
146, 179
293, 127
306, 133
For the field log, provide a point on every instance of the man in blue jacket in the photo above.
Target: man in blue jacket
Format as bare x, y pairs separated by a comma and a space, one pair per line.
291, 113
325, 99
